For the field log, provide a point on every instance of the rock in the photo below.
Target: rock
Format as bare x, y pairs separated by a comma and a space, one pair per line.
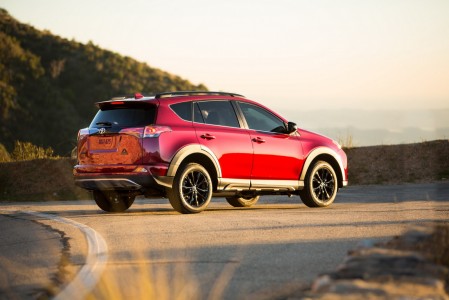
394, 270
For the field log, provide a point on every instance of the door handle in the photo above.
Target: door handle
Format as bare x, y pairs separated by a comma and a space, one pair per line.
207, 136
259, 140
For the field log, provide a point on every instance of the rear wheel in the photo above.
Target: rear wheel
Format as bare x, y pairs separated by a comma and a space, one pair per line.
192, 189
321, 185
244, 201
113, 201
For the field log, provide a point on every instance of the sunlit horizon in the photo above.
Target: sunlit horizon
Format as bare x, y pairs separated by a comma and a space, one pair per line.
320, 54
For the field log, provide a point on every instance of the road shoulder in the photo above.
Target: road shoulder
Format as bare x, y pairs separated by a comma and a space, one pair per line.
30, 255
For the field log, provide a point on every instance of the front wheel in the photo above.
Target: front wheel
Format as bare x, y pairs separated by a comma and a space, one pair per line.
112, 201
192, 189
237, 201
321, 185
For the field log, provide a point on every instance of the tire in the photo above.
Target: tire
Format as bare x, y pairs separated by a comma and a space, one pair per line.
112, 201
192, 189
321, 185
247, 201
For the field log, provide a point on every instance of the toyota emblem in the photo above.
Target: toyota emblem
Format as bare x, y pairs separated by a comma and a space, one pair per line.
101, 131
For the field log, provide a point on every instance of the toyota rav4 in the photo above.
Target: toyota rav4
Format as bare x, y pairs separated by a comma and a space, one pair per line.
190, 146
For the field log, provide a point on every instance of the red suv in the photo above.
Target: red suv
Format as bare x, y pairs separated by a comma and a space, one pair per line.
190, 146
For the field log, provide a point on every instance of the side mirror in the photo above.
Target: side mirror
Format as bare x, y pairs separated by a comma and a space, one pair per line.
291, 127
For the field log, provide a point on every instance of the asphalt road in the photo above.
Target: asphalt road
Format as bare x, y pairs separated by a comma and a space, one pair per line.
271, 250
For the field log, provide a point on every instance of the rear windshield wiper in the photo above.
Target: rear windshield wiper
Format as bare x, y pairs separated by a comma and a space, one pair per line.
104, 124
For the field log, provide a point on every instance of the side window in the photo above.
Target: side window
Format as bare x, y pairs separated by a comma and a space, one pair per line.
258, 118
183, 110
218, 113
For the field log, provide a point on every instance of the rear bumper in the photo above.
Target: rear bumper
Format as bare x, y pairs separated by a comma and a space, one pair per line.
115, 182
122, 177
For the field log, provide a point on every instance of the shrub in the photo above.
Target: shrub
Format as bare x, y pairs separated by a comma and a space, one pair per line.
4, 155
346, 142
28, 151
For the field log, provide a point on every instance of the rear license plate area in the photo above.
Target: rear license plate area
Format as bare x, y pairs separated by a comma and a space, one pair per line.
102, 143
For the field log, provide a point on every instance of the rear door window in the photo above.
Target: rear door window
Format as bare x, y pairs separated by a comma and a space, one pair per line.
218, 113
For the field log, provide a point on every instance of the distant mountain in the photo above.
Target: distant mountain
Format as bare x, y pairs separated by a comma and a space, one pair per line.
370, 137
48, 84
375, 127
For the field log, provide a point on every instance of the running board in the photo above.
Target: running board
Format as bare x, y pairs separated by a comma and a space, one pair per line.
230, 184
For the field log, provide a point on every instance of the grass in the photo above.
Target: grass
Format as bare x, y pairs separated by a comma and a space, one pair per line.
160, 282
346, 142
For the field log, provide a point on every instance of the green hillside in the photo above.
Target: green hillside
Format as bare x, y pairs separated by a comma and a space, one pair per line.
48, 84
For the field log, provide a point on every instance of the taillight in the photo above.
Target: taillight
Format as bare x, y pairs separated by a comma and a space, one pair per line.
137, 132
83, 133
148, 131
155, 131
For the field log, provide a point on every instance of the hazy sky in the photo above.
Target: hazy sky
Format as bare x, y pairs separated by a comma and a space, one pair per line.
315, 54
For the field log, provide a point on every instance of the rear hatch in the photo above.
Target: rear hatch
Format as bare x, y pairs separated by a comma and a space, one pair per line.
113, 141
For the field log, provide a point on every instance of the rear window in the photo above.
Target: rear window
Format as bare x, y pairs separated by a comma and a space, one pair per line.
124, 117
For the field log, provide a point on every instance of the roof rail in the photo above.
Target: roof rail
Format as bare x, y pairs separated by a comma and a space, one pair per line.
187, 93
